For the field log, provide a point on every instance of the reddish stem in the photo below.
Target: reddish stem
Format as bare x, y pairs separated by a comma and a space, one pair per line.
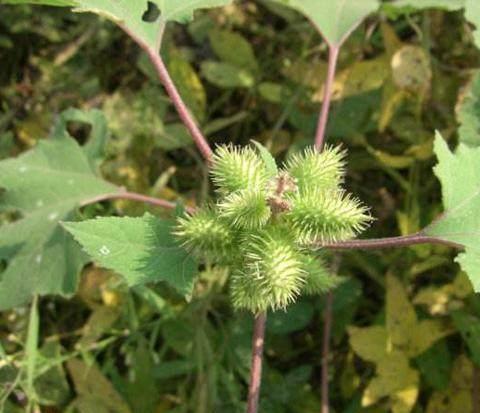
256, 367
327, 96
333, 51
402, 241
174, 95
132, 196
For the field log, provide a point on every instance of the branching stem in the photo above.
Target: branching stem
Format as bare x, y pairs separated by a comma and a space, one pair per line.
257, 358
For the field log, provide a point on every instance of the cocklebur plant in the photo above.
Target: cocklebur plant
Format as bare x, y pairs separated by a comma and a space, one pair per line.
268, 223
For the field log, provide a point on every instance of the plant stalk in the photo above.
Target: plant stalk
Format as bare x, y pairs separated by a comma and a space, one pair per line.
133, 196
333, 51
391, 242
257, 358
185, 115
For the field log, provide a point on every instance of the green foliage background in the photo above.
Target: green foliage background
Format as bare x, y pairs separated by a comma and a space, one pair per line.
251, 70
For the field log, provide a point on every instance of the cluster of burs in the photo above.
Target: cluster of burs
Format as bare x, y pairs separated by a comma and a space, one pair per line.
269, 224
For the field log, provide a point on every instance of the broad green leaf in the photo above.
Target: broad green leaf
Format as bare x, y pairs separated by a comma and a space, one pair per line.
140, 249
95, 147
63, 3
296, 318
435, 365
335, 19
468, 113
472, 14
233, 48
129, 13
428, 4
459, 174
225, 75
182, 11
45, 185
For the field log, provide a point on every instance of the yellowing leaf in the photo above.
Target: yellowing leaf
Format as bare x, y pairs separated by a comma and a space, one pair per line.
370, 343
310, 74
440, 300
404, 400
360, 77
94, 390
189, 85
394, 378
405, 332
401, 317
425, 334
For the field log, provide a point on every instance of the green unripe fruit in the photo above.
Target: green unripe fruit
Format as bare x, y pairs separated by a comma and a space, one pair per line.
245, 209
264, 223
319, 170
273, 274
206, 236
235, 169
326, 216
318, 279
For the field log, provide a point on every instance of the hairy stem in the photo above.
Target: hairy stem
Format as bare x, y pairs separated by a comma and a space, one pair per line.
327, 96
174, 95
132, 196
379, 243
257, 358
319, 143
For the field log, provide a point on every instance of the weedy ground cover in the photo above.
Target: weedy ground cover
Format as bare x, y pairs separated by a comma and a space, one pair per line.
261, 206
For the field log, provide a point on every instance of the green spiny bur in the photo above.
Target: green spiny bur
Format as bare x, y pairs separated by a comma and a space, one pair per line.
319, 216
235, 169
317, 170
264, 225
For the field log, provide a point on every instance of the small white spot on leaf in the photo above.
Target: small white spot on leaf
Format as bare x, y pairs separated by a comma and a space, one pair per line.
38, 259
39, 203
104, 250
70, 182
22, 169
53, 216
